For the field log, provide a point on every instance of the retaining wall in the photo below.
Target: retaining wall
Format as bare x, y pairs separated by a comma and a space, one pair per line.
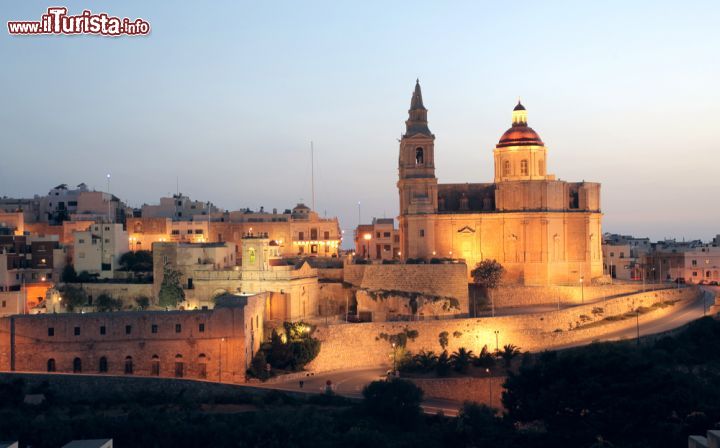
486, 391
361, 345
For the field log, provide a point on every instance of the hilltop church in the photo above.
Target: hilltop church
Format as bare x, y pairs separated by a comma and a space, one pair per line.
544, 231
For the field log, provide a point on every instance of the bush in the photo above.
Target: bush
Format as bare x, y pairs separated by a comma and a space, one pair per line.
73, 297
68, 274
142, 302
106, 302
396, 401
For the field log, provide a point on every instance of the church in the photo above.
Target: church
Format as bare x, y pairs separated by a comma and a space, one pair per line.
543, 230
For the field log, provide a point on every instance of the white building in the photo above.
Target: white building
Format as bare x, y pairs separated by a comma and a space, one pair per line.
98, 249
178, 207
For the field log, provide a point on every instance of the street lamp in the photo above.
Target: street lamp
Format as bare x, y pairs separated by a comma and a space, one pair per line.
497, 344
490, 396
582, 289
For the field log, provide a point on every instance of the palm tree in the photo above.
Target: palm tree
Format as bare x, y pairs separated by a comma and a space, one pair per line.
508, 353
443, 364
461, 359
485, 358
426, 361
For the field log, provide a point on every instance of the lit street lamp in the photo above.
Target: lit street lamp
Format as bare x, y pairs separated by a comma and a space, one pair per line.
394, 359
497, 344
582, 289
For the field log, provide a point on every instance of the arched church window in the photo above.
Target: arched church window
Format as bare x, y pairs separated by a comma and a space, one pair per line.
523, 167
506, 168
419, 156
541, 168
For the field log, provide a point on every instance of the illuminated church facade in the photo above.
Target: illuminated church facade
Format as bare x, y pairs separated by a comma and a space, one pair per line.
544, 231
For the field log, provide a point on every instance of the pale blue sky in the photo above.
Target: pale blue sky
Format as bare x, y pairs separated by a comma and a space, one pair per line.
227, 97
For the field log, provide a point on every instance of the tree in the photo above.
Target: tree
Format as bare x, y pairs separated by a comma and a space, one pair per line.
508, 353
68, 274
73, 297
142, 302
171, 293
485, 358
105, 302
138, 261
488, 274
442, 368
461, 359
396, 401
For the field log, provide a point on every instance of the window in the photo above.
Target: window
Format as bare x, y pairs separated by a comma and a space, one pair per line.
314, 249
523, 167
128, 365
201, 328
386, 234
506, 168
4, 303
154, 328
202, 365
175, 232
251, 252
51, 331
198, 231
612, 254
81, 241
301, 236
128, 329
103, 365
179, 366
51, 365
165, 259
694, 262
77, 331
189, 231
377, 234
178, 328
107, 228
77, 365
419, 156
102, 329
326, 235
422, 232
155, 366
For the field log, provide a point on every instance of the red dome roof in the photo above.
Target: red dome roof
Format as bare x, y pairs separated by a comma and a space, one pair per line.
520, 135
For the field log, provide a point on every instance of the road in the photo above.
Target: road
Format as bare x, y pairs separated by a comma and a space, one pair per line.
349, 383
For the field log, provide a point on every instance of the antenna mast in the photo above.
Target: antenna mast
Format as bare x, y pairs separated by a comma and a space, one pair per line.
312, 173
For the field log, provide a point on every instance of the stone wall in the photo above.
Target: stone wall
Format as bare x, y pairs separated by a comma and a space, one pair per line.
209, 344
517, 296
486, 391
127, 292
360, 345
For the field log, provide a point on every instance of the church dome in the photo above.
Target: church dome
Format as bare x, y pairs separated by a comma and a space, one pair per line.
520, 134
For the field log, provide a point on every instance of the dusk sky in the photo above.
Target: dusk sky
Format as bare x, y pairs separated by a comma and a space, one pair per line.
227, 97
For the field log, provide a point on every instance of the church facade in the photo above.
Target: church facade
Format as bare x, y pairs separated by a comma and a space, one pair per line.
544, 231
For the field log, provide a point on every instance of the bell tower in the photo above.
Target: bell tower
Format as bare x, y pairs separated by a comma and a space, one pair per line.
417, 183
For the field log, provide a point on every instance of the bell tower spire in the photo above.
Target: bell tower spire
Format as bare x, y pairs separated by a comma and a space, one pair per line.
417, 184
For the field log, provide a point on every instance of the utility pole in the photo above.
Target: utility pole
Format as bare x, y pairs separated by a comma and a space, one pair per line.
637, 324
497, 344
312, 173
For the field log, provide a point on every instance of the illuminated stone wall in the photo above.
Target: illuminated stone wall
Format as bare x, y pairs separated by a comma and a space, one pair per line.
218, 342
486, 391
361, 345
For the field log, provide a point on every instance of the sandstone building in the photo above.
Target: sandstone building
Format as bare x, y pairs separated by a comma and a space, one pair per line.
542, 229
213, 344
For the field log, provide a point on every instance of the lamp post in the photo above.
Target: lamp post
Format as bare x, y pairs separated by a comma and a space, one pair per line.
582, 289
497, 344
637, 325
490, 396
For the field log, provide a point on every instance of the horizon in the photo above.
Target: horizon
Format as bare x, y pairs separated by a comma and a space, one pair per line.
231, 109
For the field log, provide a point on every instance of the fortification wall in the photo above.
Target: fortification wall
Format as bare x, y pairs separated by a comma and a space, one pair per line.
360, 345
353, 273
486, 391
517, 296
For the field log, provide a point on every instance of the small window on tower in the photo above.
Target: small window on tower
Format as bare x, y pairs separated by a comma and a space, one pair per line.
523, 167
419, 157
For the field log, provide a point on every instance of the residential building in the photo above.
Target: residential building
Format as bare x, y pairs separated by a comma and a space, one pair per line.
97, 250
378, 241
178, 207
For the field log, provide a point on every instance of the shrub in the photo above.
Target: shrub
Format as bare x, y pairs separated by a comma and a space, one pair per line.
396, 401
68, 274
443, 339
106, 302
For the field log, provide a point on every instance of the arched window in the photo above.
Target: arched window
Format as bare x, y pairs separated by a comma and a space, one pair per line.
506, 168
541, 168
155, 366
251, 252
523, 167
179, 366
128, 365
419, 156
51, 365
77, 365
202, 366
103, 365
